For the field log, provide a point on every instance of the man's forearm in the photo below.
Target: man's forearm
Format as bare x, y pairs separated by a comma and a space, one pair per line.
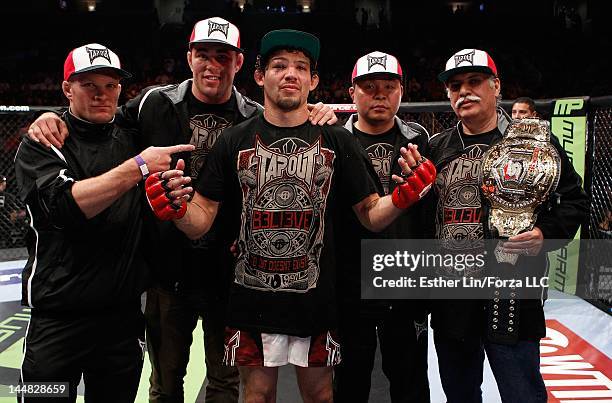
418, 175
199, 217
93, 195
376, 213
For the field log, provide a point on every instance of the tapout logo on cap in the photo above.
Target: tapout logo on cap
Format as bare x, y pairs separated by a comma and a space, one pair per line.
214, 26
467, 57
372, 61
95, 53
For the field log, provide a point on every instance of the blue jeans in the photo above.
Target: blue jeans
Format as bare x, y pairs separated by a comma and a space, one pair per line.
516, 369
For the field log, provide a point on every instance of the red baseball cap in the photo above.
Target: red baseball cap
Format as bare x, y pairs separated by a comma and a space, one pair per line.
376, 63
92, 57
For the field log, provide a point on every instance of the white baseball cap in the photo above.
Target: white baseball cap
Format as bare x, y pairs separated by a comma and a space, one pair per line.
376, 63
467, 60
90, 57
216, 30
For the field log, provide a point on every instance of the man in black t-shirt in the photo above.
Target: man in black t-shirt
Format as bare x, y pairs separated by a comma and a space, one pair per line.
286, 179
400, 327
508, 330
194, 283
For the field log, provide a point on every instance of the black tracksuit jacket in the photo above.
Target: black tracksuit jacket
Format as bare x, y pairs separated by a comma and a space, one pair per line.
75, 263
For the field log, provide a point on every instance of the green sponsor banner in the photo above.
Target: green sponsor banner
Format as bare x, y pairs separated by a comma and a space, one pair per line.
568, 124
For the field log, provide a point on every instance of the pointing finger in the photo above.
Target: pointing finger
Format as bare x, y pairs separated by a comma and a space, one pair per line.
179, 148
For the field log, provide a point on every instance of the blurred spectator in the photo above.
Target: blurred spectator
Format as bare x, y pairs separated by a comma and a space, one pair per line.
12, 217
527, 71
413, 92
523, 107
365, 14
606, 223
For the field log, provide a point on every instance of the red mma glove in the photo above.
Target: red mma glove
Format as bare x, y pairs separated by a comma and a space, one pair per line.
158, 196
415, 186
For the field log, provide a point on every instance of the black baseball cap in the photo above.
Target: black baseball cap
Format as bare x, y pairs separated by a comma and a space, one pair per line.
290, 38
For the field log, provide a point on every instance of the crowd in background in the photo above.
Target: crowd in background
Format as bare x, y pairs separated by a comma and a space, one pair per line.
565, 62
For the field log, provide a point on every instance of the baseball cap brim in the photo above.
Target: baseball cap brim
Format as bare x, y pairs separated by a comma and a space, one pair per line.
446, 75
122, 73
289, 38
216, 42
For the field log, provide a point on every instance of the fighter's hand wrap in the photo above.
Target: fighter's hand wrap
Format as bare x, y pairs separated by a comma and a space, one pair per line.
415, 186
158, 196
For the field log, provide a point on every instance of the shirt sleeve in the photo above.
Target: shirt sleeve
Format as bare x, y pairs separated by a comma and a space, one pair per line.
45, 182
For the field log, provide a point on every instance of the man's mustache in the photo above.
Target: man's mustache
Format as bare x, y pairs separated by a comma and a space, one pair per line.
462, 100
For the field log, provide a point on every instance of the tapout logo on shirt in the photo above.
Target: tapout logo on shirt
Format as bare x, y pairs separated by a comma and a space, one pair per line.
274, 164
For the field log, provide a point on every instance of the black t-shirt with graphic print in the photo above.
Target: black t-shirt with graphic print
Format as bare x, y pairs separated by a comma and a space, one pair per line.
380, 149
459, 221
459, 211
285, 184
207, 123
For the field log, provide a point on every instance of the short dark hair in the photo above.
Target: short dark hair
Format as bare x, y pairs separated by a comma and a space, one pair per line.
262, 60
526, 100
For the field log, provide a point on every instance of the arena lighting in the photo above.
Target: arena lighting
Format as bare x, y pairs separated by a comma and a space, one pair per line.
305, 5
459, 5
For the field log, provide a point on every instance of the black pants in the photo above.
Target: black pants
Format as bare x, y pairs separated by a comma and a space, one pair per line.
402, 335
171, 320
107, 349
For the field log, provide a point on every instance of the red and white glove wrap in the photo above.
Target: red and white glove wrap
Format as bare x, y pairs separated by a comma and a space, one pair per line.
161, 203
415, 186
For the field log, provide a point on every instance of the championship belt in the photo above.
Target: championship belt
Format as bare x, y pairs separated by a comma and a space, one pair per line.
517, 175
